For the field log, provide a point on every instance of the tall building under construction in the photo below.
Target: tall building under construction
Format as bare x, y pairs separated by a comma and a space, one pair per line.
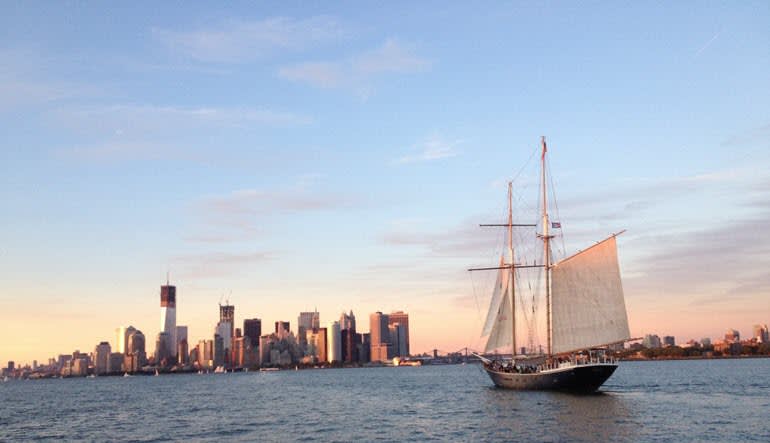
168, 316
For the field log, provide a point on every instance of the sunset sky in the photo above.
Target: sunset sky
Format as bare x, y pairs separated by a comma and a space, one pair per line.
341, 157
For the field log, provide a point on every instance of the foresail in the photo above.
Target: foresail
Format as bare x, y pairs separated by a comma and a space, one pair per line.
501, 286
500, 336
587, 302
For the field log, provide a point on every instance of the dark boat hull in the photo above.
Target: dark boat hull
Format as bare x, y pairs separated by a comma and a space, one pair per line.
580, 378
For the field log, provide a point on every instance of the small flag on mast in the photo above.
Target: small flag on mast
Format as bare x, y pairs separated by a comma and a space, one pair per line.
556, 225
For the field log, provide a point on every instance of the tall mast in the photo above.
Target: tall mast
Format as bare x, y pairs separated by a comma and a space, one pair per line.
546, 242
510, 252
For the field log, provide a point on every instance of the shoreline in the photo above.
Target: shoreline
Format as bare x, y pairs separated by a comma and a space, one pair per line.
721, 357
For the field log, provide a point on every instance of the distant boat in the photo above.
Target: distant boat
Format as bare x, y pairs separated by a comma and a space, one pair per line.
586, 311
220, 370
268, 369
157, 373
126, 374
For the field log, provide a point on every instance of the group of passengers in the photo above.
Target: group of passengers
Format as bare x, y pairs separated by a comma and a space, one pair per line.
499, 366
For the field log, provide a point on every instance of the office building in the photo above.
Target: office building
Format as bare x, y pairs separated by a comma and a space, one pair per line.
264, 350
163, 354
334, 342
168, 317
317, 344
242, 352
226, 331
307, 321
218, 351
732, 336
282, 329
351, 344
381, 349
116, 362
398, 339
402, 318
252, 328
651, 341
347, 321
761, 334
102, 358
668, 341
121, 338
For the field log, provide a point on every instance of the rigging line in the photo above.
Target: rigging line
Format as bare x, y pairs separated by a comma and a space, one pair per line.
476, 298
556, 206
525, 165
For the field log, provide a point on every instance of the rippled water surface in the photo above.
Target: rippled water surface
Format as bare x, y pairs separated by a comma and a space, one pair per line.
705, 400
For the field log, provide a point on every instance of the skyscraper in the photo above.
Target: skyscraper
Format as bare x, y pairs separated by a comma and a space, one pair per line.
347, 321
381, 349
102, 358
334, 341
760, 333
401, 318
307, 321
398, 339
282, 329
226, 330
163, 355
121, 338
168, 316
252, 328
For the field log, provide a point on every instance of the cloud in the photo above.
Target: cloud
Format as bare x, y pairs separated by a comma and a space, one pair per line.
21, 83
143, 118
432, 148
710, 265
122, 150
217, 264
242, 213
244, 41
392, 56
359, 71
758, 134
148, 132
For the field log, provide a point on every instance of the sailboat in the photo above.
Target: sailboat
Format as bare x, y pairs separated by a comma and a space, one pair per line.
586, 312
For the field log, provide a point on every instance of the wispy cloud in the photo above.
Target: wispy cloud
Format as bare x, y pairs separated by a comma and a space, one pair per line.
242, 213
152, 117
710, 265
432, 148
754, 135
148, 132
22, 83
239, 41
357, 72
217, 264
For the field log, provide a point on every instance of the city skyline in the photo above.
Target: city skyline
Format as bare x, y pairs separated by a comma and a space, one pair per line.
289, 157
122, 333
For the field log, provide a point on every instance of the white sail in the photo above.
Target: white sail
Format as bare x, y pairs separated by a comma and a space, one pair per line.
500, 335
587, 299
501, 286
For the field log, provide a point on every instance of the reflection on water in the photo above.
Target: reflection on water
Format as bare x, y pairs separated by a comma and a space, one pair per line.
650, 401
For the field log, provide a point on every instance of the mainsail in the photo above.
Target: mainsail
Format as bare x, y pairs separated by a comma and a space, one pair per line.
587, 299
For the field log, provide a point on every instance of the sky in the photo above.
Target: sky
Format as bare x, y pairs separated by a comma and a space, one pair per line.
340, 156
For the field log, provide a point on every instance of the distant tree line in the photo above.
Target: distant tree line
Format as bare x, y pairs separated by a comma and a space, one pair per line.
695, 352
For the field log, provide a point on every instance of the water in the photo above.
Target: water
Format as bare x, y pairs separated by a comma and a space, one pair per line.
705, 400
